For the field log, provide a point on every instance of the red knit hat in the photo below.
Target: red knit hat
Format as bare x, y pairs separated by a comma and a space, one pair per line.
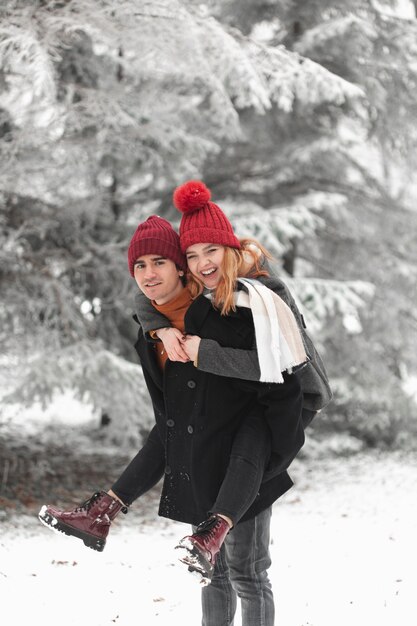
202, 220
155, 236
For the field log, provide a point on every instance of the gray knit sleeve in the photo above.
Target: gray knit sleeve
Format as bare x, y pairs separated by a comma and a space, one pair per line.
149, 318
229, 362
212, 357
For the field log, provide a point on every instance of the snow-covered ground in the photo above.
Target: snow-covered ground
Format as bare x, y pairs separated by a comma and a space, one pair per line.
344, 546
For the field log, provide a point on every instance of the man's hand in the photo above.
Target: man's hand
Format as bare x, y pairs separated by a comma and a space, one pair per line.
172, 339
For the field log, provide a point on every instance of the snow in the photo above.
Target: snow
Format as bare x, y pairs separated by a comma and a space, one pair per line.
403, 9
410, 386
266, 30
64, 409
343, 551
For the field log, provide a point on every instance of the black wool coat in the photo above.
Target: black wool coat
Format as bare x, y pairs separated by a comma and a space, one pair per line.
198, 414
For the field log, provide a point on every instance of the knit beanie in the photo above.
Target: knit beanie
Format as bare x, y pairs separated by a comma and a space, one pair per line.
202, 221
155, 236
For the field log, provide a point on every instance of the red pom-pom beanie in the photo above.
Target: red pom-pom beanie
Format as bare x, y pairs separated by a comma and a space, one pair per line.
155, 236
202, 220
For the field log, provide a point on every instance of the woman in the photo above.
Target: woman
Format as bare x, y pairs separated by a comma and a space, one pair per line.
251, 261
216, 259
199, 418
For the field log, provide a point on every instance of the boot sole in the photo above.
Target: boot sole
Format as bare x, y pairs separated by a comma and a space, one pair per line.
202, 579
48, 520
197, 562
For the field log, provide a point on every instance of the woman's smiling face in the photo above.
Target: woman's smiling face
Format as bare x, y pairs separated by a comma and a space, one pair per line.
204, 262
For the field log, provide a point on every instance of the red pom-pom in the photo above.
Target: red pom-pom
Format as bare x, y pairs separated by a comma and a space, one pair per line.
191, 196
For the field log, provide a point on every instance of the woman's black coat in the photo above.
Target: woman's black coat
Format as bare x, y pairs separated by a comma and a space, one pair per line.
197, 415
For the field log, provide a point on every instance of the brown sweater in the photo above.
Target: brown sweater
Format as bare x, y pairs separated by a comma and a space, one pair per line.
174, 311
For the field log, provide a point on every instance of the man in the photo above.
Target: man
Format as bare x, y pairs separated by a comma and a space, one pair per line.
198, 416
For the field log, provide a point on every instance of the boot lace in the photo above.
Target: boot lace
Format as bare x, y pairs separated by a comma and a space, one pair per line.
85, 506
207, 529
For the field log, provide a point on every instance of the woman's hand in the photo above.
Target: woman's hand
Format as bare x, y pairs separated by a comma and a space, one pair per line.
172, 339
191, 344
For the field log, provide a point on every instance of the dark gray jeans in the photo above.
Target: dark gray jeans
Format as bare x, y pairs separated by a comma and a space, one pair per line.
250, 455
241, 571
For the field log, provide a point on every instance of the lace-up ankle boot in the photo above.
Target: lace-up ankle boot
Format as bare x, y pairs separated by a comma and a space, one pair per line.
203, 546
90, 521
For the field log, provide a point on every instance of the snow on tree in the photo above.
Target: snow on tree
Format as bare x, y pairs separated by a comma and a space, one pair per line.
374, 48
365, 151
106, 106
94, 375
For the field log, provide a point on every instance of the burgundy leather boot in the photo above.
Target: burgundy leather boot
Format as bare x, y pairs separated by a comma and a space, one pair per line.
203, 546
89, 522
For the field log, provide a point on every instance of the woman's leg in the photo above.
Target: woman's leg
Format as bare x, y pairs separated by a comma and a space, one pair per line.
92, 519
249, 456
133, 482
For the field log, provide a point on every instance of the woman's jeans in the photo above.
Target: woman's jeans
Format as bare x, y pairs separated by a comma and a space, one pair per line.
249, 456
241, 571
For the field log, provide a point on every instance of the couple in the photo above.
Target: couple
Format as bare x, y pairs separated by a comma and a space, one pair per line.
234, 379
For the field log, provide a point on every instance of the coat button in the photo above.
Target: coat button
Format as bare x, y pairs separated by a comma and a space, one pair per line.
191, 384
190, 429
170, 423
167, 469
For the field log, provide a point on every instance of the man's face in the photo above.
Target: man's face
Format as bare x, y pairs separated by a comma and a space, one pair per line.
157, 277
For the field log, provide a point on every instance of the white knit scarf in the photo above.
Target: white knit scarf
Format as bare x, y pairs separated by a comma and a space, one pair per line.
278, 338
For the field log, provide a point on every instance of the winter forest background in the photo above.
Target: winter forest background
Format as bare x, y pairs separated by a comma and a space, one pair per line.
302, 119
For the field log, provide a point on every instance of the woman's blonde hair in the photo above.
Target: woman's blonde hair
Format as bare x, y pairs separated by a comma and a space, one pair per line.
246, 261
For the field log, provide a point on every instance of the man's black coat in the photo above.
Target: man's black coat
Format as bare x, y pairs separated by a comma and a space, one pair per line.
197, 415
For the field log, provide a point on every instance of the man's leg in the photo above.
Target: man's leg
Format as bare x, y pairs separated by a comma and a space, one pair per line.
248, 559
218, 600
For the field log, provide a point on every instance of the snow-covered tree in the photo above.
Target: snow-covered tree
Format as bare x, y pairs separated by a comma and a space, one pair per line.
106, 106
364, 151
373, 45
